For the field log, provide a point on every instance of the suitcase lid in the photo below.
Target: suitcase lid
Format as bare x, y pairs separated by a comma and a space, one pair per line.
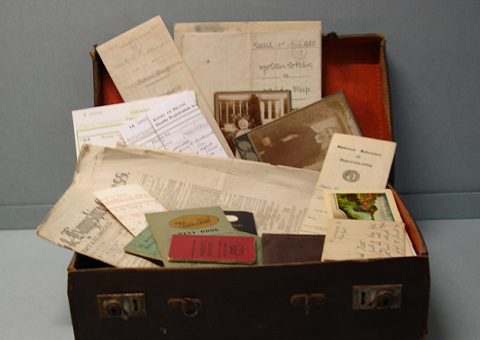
357, 65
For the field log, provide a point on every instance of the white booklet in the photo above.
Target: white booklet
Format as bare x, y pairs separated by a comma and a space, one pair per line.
352, 163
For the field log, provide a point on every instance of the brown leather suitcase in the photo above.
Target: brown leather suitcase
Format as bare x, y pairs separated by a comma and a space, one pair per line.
367, 299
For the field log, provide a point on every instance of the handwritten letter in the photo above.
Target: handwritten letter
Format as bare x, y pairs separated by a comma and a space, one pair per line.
352, 239
287, 61
257, 55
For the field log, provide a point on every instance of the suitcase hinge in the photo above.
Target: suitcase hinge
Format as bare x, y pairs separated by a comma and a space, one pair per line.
307, 300
189, 306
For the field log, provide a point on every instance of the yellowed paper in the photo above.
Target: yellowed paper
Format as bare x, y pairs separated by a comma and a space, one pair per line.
375, 205
354, 240
278, 196
129, 204
254, 56
144, 62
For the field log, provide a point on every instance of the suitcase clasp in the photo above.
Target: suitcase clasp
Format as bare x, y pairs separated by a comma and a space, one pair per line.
123, 305
307, 300
189, 306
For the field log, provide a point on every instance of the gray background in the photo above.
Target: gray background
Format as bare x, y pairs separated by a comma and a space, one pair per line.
432, 49
433, 52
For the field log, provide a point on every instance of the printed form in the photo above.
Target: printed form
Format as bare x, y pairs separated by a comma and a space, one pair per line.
99, 125
177, 125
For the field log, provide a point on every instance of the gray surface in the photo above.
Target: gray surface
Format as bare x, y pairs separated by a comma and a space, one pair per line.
34, 305
433, 51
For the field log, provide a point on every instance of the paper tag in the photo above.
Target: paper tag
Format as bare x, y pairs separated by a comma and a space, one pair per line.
129, 204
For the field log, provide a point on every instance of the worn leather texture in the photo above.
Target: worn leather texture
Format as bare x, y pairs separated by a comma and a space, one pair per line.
288, 248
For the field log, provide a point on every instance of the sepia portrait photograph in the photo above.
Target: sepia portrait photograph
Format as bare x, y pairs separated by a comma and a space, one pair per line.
239, 112
301, 138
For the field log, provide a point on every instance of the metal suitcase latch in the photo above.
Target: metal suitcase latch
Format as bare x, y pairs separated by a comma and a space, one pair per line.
307, 300
121, 305
377, 297
189, 306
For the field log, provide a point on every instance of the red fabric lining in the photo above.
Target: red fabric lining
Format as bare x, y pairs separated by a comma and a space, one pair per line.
354, 67
109, 92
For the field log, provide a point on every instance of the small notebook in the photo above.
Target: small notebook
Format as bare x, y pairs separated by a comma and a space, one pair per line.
289, 248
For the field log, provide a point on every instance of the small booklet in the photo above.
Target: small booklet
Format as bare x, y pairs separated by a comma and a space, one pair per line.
301, 138
199, 221
217, 249
144, 245
291, 248
242, 221
352, 163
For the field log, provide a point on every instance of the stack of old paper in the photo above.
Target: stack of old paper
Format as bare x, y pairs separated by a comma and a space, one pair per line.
177, 156
278, 196
144, 62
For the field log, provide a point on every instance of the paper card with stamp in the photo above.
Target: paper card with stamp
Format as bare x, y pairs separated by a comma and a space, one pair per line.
373, 205
351, 163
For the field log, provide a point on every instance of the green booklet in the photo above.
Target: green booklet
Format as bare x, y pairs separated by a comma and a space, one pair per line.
199, 221
144, 245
